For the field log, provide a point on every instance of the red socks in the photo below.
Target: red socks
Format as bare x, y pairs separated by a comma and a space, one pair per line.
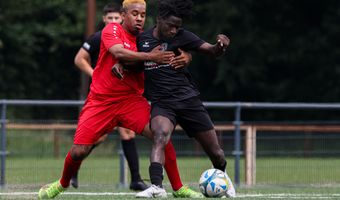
171, 168
70, 168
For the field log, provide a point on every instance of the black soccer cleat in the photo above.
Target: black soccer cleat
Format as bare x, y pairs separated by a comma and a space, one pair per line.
74, 181
138, 186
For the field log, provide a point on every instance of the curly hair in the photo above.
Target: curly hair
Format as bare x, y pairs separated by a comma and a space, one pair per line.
178, 8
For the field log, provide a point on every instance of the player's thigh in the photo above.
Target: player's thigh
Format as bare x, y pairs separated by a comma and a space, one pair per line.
193, 117
134, 114
94, 122
163, 118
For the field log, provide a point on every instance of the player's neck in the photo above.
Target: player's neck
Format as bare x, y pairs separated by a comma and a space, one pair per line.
133, 33
155, 33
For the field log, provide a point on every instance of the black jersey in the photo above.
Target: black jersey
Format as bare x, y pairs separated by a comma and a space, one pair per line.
163, 82
92, 46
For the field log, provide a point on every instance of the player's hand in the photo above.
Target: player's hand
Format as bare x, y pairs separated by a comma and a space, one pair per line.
118, 71
182, 60
222, 42
160, 56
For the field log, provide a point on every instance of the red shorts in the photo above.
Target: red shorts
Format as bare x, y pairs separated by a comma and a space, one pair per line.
100, 115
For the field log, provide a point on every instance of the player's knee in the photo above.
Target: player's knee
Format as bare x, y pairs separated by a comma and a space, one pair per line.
128, 136
80, 152
159, 137
101, 139
161, 131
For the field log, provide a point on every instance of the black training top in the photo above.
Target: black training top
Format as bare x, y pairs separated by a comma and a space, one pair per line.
163, 82
92, 46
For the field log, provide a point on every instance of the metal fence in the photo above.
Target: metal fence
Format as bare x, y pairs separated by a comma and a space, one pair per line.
237, 126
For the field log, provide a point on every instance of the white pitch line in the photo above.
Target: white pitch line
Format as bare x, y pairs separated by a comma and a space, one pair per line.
271, 196
290, 196
74, 193
287, 195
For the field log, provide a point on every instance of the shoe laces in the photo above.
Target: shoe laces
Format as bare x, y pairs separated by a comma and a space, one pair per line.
54, 189
185, 190
155, 187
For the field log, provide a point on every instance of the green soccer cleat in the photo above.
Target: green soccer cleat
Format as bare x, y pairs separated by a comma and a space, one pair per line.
186, 192
50, 191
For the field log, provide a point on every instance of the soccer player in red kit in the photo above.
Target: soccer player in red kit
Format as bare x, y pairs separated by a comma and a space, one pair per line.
86, 60
113, 102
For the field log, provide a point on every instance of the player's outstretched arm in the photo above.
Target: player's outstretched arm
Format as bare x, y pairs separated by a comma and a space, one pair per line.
125, 55
83, 61
222, 42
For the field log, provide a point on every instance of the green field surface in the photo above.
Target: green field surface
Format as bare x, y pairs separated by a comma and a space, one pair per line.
277, 178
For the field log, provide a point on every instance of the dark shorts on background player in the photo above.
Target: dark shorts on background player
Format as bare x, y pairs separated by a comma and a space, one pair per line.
190, 114
100, 115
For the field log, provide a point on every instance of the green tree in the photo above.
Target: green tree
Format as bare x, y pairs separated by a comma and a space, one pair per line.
280, 50
38, 41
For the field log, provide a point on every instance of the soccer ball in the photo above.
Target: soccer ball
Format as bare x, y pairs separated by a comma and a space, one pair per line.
213, 183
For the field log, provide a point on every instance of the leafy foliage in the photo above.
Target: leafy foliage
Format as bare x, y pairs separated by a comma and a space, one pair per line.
280, 50
39, 40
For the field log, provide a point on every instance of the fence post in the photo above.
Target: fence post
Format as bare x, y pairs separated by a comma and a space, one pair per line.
237, 140
3, 144
122, 168
250, 156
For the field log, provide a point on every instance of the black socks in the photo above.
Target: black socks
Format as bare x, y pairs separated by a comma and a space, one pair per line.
131, 155
221, 167
156, 173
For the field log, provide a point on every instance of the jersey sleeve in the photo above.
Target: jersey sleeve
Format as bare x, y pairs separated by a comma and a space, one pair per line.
190, 41
112, 35
92, 44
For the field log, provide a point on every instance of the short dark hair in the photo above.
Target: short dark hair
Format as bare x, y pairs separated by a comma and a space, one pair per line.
111, 7
177, 8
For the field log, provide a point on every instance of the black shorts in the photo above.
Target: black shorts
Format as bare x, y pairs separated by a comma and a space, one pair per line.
190, 114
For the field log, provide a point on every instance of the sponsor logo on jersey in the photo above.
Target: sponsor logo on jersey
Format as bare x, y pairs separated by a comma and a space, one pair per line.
164, 46
150, 65
146, 45
127, 45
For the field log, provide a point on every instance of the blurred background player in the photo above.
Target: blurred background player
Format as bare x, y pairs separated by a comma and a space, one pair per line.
86, 60
173, 95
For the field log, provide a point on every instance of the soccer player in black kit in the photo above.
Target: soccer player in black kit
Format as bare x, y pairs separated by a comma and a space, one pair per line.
173, 95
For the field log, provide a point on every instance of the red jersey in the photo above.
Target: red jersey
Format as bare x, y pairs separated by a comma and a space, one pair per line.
104, 82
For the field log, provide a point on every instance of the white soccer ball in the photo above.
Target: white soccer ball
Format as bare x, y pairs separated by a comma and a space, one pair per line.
213, 183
